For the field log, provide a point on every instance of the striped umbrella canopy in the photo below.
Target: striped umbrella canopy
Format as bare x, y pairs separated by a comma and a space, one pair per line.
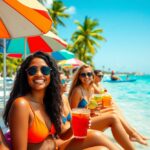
48, 42
62, 55
20, 18
70, 63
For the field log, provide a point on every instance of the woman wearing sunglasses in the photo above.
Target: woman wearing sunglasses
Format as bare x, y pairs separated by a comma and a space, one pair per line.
98, 89
80, 94
98, 76
33, 111
95, 140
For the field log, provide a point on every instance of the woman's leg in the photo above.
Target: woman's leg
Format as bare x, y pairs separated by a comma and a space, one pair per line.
111, 120
97, 148
94, 138
133, 134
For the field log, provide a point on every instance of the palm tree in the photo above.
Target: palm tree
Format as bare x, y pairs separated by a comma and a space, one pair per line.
42, 1
57, 12
11, 65
85, 39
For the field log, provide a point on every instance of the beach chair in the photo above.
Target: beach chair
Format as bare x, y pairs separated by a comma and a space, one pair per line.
3, 143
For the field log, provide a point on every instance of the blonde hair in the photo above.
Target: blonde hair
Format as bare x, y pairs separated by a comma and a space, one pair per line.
76, 81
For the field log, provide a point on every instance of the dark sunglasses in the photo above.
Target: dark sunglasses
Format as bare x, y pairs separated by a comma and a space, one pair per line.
45, 70
63, 81
89, 74
100, 76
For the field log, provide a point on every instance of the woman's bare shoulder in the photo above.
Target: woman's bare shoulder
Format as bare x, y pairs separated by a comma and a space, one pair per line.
77, 89
20, 103
19, 111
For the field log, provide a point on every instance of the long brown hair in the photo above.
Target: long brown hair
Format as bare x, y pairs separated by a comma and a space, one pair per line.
76, 81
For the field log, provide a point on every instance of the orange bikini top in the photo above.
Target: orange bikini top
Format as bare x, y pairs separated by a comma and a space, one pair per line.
38, 131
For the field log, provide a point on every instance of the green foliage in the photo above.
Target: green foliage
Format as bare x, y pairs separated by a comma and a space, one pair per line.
57, 12
12, 65
85, 39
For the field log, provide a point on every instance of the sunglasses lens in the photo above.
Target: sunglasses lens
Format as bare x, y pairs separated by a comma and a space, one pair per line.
101, 76
63, 81
45, 70
83, 75
32, 70
89, 74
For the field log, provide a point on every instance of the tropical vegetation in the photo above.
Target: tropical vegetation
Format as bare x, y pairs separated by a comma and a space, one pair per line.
84, 41
57, 12
12, 65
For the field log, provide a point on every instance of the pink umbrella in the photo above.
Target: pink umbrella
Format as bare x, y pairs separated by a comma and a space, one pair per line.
70, 63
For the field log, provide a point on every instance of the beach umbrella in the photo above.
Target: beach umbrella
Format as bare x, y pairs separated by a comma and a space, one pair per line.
48, 42
70, 63
62, 55
20, 18
14, 55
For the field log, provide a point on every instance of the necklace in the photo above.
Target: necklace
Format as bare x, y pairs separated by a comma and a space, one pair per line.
36, 102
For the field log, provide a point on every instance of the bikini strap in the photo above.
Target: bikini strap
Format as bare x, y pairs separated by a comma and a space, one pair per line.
31, 108
82, 92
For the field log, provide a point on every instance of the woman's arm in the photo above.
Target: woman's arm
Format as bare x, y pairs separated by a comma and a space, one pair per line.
18, 123
96, 88
66, 131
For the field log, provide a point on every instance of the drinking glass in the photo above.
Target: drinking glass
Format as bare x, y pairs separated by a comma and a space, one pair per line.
80, 122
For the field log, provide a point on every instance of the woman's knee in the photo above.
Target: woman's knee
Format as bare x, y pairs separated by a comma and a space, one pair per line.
95, 135
114, 117
103, 148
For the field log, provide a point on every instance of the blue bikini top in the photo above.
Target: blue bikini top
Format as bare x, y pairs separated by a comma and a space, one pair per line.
83, 103
65, 119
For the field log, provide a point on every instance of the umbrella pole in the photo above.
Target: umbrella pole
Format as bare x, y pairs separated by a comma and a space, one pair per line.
25, 51
4, 73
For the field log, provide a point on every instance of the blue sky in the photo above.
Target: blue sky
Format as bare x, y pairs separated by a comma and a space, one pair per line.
126, 25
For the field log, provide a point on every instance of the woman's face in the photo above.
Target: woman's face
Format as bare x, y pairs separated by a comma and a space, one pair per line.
98, 78
86, 76
38, 74
63, 85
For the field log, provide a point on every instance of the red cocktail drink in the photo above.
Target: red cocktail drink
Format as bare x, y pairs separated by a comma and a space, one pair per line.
80, 122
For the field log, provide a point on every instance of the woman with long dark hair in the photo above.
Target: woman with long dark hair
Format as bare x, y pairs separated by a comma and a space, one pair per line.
33, 111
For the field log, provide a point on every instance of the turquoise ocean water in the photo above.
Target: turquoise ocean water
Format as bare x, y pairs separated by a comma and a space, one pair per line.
134, 100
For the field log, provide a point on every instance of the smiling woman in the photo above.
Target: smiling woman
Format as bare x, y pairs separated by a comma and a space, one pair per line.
35, 101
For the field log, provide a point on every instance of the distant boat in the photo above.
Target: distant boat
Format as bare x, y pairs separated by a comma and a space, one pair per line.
119, 81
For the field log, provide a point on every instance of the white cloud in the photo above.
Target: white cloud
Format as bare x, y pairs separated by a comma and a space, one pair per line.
71, 10
48, 3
